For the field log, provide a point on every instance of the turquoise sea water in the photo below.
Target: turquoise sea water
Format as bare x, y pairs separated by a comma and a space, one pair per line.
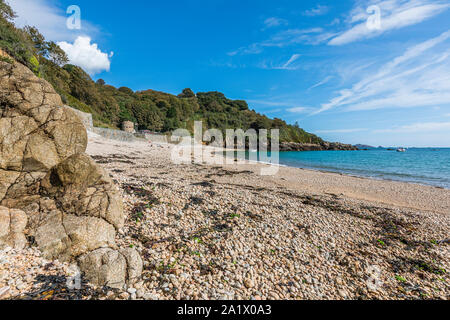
429, 166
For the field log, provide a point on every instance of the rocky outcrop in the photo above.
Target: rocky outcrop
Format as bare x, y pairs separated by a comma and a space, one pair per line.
48, 185
293, 146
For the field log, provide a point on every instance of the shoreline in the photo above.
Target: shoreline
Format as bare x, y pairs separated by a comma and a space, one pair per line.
402, 194
369, 196
423, 184
336, 171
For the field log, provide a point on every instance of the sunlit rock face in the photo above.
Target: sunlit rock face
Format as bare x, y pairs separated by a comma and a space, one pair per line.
50, 190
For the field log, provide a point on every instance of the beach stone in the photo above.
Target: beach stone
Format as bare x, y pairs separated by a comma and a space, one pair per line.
4, 292
104, 267
134, 264
248, 283
88, 233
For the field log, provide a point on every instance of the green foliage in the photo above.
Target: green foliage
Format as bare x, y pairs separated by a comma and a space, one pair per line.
56, 54
187, 93
151, 110
37, 39
15, 43
6, 12
34, 65
27, 45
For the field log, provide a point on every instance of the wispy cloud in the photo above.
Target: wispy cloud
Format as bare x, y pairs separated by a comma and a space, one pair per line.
298, 110
281, 39
447, 115
342, 130
418, 127
316, 11
413, 79
288, 105
291, 60
394, 14
274, 22
288, 65
321, 83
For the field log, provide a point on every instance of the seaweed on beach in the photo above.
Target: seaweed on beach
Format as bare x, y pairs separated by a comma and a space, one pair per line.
222, 172
140, 192
54, 287
205, 184
114, 159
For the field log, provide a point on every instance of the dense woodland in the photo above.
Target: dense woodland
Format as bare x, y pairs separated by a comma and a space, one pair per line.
150, 110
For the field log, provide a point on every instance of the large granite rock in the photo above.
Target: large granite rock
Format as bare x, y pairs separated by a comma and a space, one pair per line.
49, 186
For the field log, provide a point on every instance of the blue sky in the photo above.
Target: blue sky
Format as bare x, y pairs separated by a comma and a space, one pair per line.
330, 65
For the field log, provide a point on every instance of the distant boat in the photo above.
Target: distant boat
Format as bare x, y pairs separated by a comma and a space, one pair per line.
401, 150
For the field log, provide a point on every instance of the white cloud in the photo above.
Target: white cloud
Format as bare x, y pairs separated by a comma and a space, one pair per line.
86, 55
417, 78
51, 22
274, 22
418, 127
395, 14
316, 11
49, 19
447, 115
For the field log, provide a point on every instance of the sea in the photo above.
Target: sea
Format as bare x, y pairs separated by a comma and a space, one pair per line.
428, 166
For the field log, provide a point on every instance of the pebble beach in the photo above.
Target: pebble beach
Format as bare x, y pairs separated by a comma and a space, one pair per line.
226, 232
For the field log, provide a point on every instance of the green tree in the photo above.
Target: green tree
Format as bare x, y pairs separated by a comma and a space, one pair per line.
56, 54
38, 40
126, 90
172, 112
6, 12
187, 93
